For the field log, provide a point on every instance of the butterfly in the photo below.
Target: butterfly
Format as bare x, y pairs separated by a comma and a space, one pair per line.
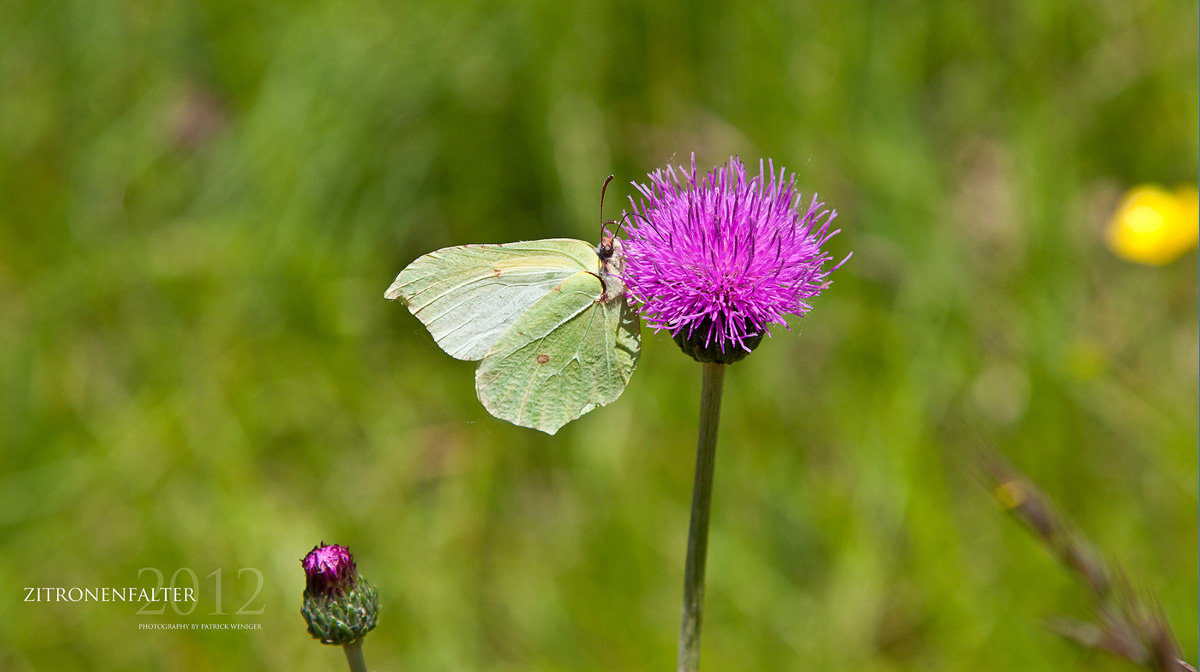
548, 321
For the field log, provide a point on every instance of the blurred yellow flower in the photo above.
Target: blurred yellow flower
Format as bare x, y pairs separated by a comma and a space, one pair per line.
1153, 226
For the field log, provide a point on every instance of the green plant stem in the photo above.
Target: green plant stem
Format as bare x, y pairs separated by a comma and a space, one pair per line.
354, 657
697, 549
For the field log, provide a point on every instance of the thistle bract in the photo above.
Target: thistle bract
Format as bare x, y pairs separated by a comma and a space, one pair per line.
340, 606
716, 260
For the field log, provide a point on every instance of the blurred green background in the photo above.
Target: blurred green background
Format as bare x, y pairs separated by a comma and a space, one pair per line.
202, 204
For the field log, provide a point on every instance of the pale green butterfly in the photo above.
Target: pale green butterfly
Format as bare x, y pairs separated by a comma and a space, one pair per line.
548, 321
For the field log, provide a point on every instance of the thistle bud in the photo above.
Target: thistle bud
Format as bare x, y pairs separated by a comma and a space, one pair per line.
340, 606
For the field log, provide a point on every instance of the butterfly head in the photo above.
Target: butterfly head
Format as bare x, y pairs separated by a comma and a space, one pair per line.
610, 253
607, 247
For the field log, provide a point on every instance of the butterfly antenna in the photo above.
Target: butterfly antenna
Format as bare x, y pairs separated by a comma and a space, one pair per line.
621, 222
602, 190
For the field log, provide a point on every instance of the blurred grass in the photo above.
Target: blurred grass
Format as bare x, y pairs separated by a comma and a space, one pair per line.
203, 203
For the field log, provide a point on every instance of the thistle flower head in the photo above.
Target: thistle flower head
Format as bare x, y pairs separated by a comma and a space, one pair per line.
716, 260
340, 607
329, 570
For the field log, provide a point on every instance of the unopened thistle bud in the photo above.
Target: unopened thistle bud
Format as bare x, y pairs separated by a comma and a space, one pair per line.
340, 606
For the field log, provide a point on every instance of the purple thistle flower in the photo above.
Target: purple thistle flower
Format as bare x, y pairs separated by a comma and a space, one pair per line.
717, 260
329, 570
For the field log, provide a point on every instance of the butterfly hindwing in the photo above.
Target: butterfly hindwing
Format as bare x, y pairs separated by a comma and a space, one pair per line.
569, 353
469, 296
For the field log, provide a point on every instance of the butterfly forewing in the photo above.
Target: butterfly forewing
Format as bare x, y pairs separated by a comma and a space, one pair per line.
566, 355
469, 296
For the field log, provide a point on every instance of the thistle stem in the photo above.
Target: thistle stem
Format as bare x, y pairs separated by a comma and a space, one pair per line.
697, 549
354, 657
